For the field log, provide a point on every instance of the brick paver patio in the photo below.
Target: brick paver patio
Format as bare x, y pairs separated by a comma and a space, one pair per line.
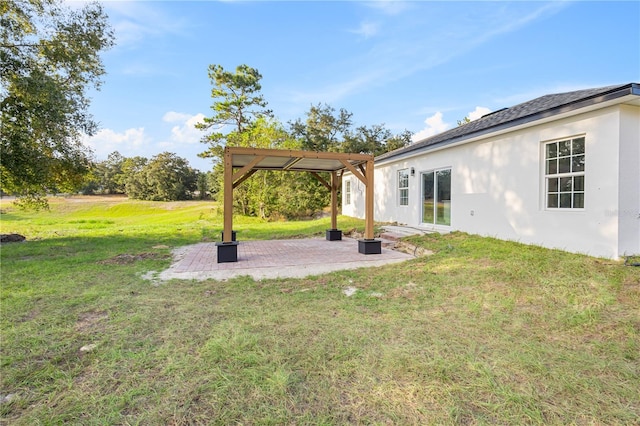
277, 259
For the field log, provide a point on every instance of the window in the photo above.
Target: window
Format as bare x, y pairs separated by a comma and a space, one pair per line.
564, 174
436, 197
403, 187
347, 191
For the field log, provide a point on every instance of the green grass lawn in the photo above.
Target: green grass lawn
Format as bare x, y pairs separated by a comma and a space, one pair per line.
481, 332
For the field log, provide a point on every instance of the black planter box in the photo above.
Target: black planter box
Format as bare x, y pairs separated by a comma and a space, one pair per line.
334, 234
227, 252
233, 235
369, 246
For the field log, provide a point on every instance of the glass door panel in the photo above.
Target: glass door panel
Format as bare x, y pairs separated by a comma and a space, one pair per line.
443, 183
428, 201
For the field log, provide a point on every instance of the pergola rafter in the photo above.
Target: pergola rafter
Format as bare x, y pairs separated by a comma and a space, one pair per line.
240, 163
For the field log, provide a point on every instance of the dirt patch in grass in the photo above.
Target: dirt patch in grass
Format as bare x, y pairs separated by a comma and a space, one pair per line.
88, 320
31, 315
407, 247
126, 259
11, 238
407, 291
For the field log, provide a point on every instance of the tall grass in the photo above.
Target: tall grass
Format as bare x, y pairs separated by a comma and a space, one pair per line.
481, 332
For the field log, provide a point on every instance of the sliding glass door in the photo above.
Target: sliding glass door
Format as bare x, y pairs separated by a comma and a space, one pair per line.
436, 197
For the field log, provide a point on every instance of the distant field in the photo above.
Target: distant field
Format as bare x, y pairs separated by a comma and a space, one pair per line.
481, 332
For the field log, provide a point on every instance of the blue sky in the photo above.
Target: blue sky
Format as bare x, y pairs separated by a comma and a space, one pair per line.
419, 66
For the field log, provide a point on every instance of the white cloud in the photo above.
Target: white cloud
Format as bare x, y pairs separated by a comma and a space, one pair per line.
138, 69
367, 29
172, 117
435, 124
130, 143
180, 137
135, 21
334, 92
516, 22
478, 113
186, 131
389, 7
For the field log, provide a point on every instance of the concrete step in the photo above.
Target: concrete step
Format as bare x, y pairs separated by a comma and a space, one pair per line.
395, 232
387, 243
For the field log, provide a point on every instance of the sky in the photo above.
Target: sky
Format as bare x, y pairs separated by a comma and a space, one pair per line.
417, 66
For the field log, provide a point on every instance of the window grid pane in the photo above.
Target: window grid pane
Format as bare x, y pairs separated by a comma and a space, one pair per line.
347, 192
404, 197
403, 187
578, 163
564, 170
578, 146
564, 165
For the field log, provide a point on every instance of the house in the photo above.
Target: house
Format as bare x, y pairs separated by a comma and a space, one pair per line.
559, 171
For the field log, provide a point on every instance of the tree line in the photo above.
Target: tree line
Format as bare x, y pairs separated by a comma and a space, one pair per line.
165, 177
50, 57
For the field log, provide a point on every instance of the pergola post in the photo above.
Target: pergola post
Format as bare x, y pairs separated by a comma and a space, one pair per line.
368, 214
334, 234
228, 249
369, 245
228, 196
334, 200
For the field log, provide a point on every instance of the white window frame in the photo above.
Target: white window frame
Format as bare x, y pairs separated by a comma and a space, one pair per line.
563, 167
347, 192
403, 191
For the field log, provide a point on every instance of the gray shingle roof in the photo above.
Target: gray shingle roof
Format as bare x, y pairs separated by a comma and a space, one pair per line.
535, 109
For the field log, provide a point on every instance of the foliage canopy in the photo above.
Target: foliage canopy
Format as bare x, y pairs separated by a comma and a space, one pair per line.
237, 104
166, 177
49, 57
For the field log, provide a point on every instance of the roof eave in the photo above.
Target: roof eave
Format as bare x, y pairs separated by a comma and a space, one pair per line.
619, 92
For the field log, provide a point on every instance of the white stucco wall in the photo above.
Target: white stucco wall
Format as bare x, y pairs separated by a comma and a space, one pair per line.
629, 177
497, 186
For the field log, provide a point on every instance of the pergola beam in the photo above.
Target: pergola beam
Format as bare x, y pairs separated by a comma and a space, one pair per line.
321, 180
291, 153
243, 178
291, 163
240, 173
355, 171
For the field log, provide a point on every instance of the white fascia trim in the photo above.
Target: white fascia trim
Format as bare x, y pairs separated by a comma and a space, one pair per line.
544, 120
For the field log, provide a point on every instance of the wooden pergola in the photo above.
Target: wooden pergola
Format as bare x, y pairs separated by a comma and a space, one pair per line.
241, 163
